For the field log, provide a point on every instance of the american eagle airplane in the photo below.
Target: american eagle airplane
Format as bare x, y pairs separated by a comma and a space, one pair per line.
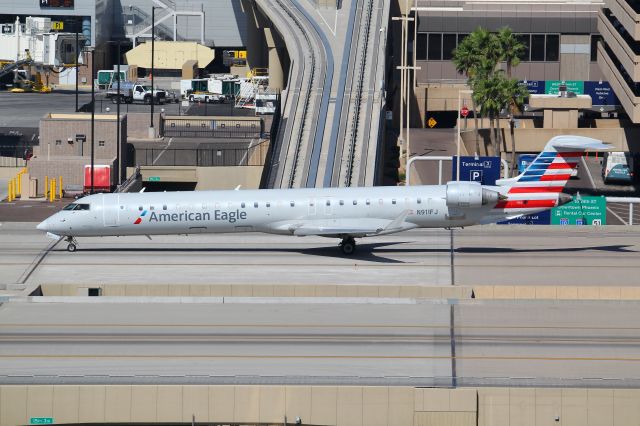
345, 213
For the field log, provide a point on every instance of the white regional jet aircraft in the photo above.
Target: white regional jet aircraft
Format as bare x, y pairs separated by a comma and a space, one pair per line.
345, 213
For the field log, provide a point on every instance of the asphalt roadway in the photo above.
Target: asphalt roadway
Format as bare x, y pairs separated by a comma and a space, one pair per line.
401, 341
482, 255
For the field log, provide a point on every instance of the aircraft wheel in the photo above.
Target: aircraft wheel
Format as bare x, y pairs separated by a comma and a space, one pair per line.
71, 247
348, 246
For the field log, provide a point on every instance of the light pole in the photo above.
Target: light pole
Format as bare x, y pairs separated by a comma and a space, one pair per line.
153, 38
458, 131
77, 54
93, 115
118, 148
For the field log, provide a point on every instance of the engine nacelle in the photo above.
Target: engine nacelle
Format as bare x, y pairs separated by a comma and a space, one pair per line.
469, 195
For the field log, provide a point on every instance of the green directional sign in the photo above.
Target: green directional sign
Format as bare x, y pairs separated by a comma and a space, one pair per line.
551, 86
154, 178
585, 211
41, 420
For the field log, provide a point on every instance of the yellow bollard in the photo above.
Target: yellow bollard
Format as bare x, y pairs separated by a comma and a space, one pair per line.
10, 191
46, 187
52, 190
19, 184
60, 187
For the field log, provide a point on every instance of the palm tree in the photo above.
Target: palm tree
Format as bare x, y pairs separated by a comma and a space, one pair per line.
515, 93
511, 49
488, 94
466, 60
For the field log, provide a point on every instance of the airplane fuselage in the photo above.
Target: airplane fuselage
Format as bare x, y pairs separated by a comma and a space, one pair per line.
273, 211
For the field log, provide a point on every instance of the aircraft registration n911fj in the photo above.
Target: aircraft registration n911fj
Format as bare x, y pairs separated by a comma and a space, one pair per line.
345, 213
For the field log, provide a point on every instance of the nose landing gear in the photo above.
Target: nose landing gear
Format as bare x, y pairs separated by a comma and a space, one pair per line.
348, 245
72, 243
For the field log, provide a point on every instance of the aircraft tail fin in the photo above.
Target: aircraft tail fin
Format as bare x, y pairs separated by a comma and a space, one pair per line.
542, 182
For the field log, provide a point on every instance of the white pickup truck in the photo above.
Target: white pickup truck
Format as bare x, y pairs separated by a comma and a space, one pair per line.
135, 92
206, 97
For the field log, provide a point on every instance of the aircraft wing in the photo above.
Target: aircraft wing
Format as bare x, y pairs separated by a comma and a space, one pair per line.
353, 227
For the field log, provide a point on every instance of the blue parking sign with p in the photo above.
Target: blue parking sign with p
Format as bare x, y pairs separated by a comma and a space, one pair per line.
485, 170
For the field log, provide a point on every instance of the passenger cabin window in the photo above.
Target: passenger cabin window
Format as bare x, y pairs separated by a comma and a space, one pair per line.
328, 202
368, 202
151, 208
164, 207
140, 208
419, 200
292, 203
393, 201
355, 202
342, 202
242, 205
268, 204
255, 205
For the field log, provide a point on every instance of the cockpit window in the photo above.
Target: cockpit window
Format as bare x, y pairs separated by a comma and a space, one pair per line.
77, 206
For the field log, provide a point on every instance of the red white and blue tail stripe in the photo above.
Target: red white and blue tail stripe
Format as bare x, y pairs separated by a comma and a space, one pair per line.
540, 185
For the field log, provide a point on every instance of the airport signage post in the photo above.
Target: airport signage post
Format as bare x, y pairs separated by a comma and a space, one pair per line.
583, 211
485, 170
41, 420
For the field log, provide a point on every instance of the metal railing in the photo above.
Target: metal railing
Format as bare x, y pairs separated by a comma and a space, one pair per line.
212, 128
202, 157
631, 210
13, 155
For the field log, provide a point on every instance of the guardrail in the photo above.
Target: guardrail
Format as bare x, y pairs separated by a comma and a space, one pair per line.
624, 200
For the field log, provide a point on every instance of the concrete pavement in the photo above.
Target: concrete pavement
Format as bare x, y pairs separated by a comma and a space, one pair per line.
430, 343
483, 255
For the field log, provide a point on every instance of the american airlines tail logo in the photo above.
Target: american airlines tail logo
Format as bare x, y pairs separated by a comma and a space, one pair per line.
139, 219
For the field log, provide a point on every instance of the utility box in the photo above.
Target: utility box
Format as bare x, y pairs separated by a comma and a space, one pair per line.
102, 176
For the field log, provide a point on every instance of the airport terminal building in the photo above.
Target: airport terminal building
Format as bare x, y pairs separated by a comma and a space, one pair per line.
561, 40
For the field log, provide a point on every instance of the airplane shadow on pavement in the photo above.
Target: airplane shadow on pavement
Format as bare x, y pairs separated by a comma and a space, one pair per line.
364, 252
614, 249
368, 252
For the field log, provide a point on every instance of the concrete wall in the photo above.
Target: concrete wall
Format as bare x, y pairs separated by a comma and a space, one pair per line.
229, 177
260, 290
320, 405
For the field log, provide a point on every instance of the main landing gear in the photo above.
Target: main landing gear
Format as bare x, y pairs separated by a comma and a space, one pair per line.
72, 243
348, 245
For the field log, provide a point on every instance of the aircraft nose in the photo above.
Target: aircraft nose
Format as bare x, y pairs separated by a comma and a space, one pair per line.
43, 225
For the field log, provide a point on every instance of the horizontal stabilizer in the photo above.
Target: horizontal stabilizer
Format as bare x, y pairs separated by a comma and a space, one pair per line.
576, 143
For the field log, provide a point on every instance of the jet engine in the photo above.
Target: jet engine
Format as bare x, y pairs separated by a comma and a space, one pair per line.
469, 195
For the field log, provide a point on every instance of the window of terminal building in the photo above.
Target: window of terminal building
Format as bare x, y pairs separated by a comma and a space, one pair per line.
449, 44
100, 143
421, 47
434, 52
552, 48
537, 47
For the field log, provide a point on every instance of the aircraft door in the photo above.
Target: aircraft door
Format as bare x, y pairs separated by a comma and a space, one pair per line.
111, 210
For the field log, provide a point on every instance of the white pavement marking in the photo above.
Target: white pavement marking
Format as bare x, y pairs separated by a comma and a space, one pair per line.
163, 151
624, 222
333, 31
